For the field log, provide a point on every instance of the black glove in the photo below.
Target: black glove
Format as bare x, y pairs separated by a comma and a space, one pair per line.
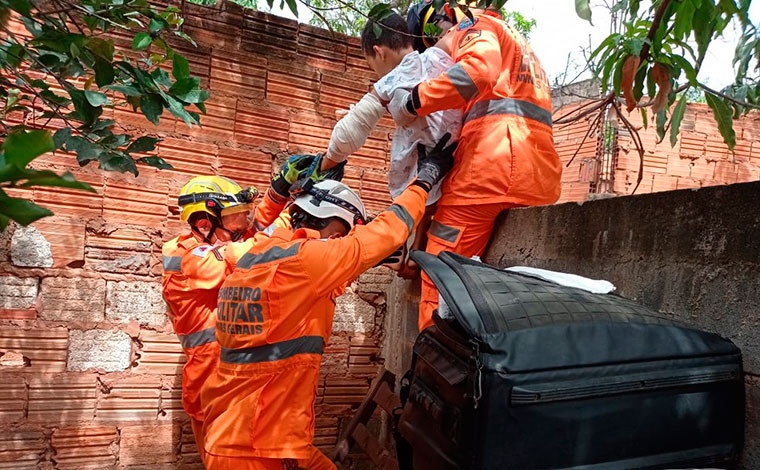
393, 258
433, 166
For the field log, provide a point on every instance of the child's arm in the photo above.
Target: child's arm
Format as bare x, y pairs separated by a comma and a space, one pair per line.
352, 131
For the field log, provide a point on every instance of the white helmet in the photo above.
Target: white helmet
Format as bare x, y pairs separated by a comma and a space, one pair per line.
330, 198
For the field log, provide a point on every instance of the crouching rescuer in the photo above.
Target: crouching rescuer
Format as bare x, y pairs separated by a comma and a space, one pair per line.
275, 316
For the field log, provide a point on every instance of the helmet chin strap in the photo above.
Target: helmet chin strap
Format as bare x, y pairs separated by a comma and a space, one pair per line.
216, 224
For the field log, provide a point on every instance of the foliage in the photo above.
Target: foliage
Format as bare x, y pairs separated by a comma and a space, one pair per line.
522, 24
655, 62
64, 70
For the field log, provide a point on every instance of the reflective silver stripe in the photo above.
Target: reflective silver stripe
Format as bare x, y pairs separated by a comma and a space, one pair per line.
275, 351
444, 232
511, 106
198, 338
462, 82
273, 254
403, 214
173, 263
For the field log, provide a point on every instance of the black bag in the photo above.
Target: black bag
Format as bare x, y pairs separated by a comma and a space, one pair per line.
533, 375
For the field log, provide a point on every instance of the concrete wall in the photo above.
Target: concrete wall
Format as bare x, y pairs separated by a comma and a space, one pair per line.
692, 254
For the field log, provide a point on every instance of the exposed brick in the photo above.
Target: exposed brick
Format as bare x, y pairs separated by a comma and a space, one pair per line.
13, 396
72, 299
45, 347
243, 75
139, 201
160, 353
62, 398
191, 459
21, 450
261, 125
246, 167
218, 122
99, 349
29, 248
270, 35
17, 293
328, 52
85, 447
353, 314
292, 85
149, 445
129, 399
73, 203
171, 403
120, 251
138, 300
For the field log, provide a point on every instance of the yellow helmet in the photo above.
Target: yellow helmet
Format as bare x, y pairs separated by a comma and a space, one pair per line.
214, 195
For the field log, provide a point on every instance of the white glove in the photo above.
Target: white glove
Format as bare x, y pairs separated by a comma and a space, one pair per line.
397, 107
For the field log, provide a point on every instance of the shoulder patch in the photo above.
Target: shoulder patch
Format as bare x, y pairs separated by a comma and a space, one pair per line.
202, 250
469, 37
466, 23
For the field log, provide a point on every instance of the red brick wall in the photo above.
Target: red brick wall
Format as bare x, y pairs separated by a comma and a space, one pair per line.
80, 292
699, 158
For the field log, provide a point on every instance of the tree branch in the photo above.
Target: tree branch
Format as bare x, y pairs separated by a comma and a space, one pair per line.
658, 15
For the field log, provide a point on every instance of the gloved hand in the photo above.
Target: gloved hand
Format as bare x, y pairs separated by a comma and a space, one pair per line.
434, 165
399, 108
300, 167
295, 168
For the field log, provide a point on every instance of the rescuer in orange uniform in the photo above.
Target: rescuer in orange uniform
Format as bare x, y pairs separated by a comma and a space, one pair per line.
506, 156
275, 315
218, 211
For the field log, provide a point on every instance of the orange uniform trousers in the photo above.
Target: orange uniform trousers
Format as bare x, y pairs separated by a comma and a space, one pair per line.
317, 461
464, 230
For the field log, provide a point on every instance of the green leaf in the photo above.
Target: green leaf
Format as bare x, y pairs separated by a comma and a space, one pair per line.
187, 90
583, 10
377, 30
24, 7
101, 48
377, 10
15, 54
724, 117
104, 74
684, 19
644, 117
60, 137
83, 110
676, 118
120, 163
20, 148
152, 106
20, 210
155, 161
143, 144
53, 98
86, 151
180, 67
293, 7
662, 120
141, 41
156, 25
176, 108
687, 68
95, 98
127, 90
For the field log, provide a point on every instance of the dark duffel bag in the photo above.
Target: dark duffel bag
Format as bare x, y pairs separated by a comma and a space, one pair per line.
529, 374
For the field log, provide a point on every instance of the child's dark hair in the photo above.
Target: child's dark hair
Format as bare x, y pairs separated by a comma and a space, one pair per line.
395, 35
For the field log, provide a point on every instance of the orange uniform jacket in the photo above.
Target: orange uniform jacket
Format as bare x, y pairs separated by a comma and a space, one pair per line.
274, 319
506, 150
193, 273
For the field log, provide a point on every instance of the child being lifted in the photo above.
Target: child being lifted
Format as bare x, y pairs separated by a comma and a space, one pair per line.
393, 58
